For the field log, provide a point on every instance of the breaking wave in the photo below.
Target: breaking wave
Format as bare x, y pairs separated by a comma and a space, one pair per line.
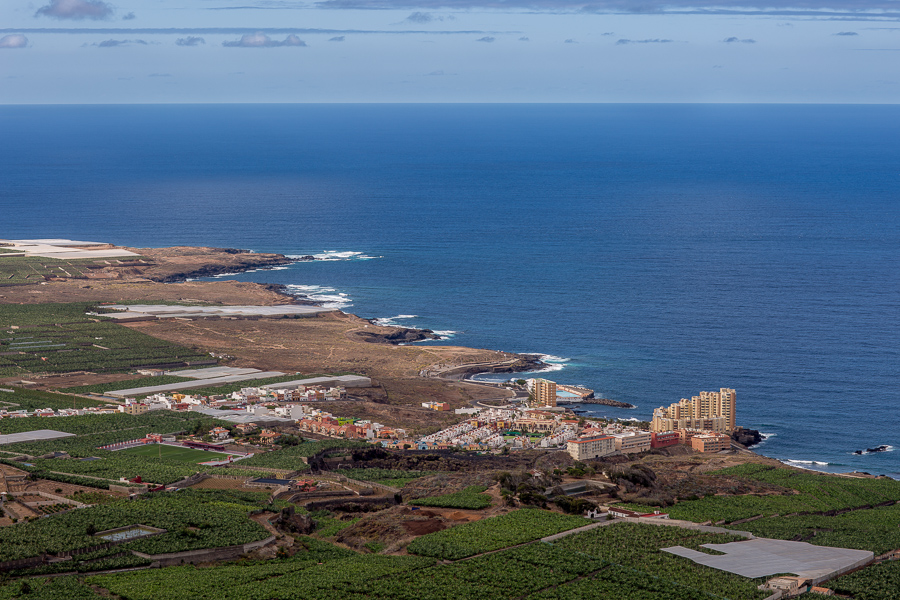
327, 297
392, 321
333, 255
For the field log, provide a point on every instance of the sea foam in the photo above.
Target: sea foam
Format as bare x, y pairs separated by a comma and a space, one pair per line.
326, 296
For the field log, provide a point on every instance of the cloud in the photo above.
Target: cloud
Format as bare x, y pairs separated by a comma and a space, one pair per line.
623, 42
128, 17
811, 8
240, 31
846, 33
261, 40
190, 40
570, 41
337, 38
420, 17
608, 33
524, 39
116, 43
14, 40
487, 39
435, 73
76, 9
735, 40
159, 75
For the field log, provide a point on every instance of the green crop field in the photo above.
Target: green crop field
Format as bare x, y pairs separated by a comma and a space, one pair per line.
191, 455
60, 338
16, 270
471, 498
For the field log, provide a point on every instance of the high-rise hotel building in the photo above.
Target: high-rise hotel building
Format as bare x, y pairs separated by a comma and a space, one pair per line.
543, 393
710, 411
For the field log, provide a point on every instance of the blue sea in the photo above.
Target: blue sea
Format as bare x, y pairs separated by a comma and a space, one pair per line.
653, 251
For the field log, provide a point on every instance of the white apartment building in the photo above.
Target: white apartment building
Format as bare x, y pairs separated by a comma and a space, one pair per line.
628, 442
592, 447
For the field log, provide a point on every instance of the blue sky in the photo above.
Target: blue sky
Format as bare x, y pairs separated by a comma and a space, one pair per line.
170, 51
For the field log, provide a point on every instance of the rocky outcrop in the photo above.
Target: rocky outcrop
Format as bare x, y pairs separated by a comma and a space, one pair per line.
232, 261
397, 335
746, 437
606, 402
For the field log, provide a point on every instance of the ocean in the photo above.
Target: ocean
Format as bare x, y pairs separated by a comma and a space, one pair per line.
651, 251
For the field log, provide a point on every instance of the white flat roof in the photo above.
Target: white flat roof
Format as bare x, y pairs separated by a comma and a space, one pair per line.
32, 436
213, 372
345, 380
165, 311
760, 557
65, 249
187, 385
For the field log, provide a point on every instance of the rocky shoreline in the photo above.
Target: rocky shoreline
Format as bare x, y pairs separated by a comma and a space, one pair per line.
606, 402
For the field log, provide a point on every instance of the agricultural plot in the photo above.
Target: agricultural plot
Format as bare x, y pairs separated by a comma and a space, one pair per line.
392, 477
102, 388
16, 270
877, 529
817, 493
513, 528
193, 520
25, 399
536, 572
470, 498
174, 453
638, 547
217, 390
92, 432
59, 588
878, 582
59, 338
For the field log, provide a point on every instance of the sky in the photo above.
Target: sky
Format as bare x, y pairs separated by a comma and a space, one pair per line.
291, 51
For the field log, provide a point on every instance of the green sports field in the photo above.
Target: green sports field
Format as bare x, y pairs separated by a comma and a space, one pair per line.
189, 455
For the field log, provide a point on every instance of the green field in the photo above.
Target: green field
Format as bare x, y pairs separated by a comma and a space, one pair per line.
190, 455
60, 338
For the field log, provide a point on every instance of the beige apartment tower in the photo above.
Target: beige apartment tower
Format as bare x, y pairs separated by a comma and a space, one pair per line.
543, 393
711, 411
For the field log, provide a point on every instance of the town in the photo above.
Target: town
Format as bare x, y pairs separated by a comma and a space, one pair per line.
538, 422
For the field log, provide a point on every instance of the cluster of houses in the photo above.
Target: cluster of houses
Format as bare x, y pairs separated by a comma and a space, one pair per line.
62, 412
246, 397
324, 423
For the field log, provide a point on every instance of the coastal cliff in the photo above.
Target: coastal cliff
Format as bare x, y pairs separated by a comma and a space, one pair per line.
176, 264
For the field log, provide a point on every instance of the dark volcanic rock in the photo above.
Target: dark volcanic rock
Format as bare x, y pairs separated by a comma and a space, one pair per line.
746, 437
292, 522
398, 335
606, 402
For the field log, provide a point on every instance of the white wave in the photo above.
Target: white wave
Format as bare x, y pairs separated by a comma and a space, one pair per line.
806, 462
333, 255
549, 358
550, 367
327, 297
392, 321
445, 333
765, 437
